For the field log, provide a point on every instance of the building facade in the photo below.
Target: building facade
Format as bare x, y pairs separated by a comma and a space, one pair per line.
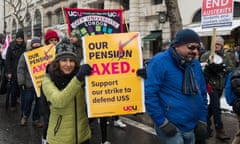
139, 15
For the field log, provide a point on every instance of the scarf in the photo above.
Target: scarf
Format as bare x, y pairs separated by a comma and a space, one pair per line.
189, 86
61, 81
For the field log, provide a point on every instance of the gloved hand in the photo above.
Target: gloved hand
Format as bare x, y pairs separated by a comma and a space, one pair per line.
142, 73
21, 87
200, 130
168, 129
84, 70
236, 106
215, 68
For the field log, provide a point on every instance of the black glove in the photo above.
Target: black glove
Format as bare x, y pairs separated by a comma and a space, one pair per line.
21, 87
215, 68
169, 129
142, 73
236, 106
84, 70
200, 130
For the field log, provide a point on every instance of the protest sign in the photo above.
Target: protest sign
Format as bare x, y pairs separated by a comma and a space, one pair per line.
114, 88
94, 21
216, 13
37, 61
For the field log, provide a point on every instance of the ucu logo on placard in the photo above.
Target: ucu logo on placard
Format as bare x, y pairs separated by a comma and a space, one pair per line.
130, 108
112, 14
74, 13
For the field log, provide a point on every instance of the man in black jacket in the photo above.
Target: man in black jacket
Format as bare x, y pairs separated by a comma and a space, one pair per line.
15, 50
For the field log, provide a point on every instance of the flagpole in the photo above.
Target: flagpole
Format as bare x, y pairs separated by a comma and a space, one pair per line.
64, 20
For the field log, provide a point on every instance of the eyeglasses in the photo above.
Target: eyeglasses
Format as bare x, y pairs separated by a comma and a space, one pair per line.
193, 47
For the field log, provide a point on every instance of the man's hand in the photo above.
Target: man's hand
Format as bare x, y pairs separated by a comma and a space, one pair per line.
168, 129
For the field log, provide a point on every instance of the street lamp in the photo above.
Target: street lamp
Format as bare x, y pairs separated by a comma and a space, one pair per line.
162, 17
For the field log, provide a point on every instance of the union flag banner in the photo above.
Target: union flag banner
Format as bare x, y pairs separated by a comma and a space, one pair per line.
5, 46
114, 88
94, 21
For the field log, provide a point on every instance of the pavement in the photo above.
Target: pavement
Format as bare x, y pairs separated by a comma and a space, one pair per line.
139, 129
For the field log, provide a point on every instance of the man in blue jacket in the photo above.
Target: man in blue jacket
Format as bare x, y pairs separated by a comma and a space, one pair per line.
175, 91
232, 94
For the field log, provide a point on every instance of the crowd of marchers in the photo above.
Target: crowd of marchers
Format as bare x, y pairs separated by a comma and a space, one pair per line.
61, 108
177, 83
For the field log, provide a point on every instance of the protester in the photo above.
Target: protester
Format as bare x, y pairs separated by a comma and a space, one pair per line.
15, 50
228, 49
175, 91
50, 37
77, 42
232, 94
165, 45
62, 86
27, 89
215, 74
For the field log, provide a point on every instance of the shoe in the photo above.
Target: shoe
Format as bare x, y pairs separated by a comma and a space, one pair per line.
13, 109
37, 124
106, 142
23, 121
220, 134
119, 123
44, 141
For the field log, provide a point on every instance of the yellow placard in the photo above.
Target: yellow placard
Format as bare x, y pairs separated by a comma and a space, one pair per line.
114, 88
37, 61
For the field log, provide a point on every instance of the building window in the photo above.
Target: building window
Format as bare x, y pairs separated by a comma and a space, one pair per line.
125, 4
14, 28
236, 9
59, 17
29, 25
38, 24
74, 5
197, 16
157, 2
49, 18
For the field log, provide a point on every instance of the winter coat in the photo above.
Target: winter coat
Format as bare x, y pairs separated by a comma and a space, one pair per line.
13, 54
23, 74
217, 80
66, 116
164, 98
228, 93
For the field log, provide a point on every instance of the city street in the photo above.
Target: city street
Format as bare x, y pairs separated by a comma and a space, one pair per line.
138, 131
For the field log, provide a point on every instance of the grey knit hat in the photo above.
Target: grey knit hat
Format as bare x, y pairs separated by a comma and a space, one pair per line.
64, 49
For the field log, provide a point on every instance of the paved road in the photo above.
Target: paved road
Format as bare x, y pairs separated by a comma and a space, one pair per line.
138, 131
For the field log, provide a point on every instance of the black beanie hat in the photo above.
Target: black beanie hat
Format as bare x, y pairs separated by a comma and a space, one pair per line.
185, 36
64, 49
20, 34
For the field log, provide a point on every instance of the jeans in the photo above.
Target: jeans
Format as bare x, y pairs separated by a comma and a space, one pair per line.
15, 92
28, 97
180, 137
214, 110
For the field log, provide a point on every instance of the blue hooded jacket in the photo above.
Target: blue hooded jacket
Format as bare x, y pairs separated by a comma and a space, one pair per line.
164, 98
229, 95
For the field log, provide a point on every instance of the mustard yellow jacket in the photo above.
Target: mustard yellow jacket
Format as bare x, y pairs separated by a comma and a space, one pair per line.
66, 121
